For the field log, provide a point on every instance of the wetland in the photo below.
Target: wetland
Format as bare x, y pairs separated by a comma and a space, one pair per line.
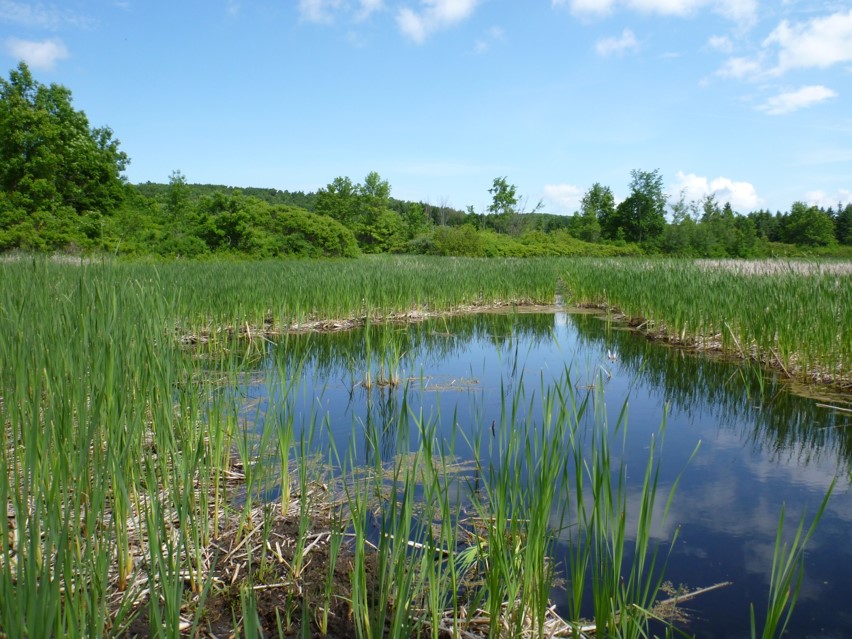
179, 460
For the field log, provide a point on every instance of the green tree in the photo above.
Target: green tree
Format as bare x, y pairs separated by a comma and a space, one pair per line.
843, 224
300, 232
504, 197
375, 197
53, 166
745, 244
597, 209
415, 219
339, 201
379, 228
809, 226
767, 226
679, 237
641, 217
177, 197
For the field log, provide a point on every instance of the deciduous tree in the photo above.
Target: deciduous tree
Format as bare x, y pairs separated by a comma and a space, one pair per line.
504, 197
641, 217
53, 166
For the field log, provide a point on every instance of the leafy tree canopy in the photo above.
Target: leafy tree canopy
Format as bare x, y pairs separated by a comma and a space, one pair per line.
49, 156
504, 197
641, 217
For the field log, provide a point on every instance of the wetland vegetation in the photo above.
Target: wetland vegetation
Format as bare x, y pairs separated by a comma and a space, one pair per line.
421, 445
62, 189
187, 450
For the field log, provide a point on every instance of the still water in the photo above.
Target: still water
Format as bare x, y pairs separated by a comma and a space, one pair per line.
761, 446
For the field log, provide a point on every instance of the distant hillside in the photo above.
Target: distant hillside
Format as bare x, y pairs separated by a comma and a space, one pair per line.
159, 193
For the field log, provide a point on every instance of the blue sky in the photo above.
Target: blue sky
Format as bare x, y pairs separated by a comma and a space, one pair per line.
745, 99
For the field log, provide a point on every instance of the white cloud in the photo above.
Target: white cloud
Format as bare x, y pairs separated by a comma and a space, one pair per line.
794, 100
325, 11
741, 68
566, 197
494, 34
412, 24
612, 46
819, 42
742, 12
721, 43
666, 7
318, 10
587, 7
821, 198
434, 15
39, 55
742, 195
31, 14
368, 7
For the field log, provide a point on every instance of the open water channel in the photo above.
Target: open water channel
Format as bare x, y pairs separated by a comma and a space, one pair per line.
761, 446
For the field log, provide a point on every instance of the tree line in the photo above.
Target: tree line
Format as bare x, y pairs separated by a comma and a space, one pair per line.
62, 189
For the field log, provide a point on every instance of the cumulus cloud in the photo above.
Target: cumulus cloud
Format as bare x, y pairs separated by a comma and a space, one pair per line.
742, 12
824, 200
33, 14
38, 54
586, 7
742, 195
432, 16
788, 102
741, 68
565, 197
368, 7
816, 43
617, 46
318, 10
721, 43
325, 11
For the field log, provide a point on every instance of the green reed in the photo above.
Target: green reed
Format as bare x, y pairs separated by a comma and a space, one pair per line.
117, 440
107, 472
281, 293
794, 316
787, 573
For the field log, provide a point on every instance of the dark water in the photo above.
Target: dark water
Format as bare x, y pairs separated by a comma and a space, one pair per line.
761, 446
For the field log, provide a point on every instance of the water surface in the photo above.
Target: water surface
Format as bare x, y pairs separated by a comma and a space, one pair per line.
761, 446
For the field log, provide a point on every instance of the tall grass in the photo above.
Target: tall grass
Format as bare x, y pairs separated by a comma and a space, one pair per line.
211, 296
798, 319
121, 445
110, 480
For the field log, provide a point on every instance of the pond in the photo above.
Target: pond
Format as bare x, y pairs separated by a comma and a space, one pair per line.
760, 447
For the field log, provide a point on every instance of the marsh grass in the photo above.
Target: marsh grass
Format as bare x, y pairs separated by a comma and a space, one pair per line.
787, 574
135, 483
790, 316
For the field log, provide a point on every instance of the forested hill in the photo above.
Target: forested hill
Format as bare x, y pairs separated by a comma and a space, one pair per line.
159, 192
62, 189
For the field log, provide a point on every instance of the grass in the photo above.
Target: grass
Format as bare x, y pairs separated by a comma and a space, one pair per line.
135, 485
792, 316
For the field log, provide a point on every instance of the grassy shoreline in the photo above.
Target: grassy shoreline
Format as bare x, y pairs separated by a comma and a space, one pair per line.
131, 481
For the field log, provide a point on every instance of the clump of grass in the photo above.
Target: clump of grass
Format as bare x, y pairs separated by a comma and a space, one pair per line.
787, 572
794, 319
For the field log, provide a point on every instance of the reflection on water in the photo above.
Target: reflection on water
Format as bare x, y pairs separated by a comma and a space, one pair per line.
761, 445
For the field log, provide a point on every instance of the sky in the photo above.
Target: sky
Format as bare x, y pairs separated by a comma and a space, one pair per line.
746, 100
